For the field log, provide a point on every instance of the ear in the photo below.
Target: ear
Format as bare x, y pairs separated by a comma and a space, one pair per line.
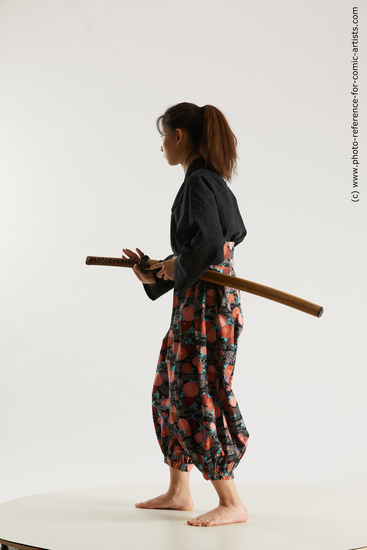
178, 135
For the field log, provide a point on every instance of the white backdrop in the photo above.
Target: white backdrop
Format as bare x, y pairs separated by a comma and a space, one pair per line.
82, 83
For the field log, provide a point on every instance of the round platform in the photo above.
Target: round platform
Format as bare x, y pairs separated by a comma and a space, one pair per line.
280, 517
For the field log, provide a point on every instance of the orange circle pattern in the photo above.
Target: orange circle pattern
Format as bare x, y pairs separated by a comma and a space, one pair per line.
196, 415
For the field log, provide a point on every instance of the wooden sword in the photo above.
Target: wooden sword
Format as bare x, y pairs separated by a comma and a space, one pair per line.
221, 279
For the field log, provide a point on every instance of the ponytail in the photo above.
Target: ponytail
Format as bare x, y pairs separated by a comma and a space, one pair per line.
218, 143
209, 133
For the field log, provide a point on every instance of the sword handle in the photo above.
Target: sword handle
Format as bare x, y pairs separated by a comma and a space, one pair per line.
121, 262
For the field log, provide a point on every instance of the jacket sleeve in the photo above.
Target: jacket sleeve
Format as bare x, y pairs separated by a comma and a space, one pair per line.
160, 287
204, 246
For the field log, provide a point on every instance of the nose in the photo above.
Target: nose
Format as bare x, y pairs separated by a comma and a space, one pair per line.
161, 148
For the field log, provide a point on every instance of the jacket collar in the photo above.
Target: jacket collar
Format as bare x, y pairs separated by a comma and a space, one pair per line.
197, 164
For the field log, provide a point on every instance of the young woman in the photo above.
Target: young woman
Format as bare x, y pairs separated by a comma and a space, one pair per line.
196, 416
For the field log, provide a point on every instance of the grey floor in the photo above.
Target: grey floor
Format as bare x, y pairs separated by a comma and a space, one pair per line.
280, 518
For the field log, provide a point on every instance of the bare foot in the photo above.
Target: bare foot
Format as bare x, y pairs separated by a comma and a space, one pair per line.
168, 502
222, 515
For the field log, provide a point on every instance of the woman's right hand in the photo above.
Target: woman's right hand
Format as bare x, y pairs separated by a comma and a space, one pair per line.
147, 278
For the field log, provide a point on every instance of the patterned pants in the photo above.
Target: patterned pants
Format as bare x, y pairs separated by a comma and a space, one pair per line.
196, 416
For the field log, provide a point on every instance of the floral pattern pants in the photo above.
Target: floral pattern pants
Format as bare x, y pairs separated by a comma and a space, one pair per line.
196, 416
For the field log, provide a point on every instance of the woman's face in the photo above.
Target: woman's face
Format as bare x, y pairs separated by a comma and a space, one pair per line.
170, 149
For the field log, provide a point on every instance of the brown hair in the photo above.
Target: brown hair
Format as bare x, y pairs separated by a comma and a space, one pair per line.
209, 133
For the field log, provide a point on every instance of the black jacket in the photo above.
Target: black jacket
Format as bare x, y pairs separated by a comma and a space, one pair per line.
204, 216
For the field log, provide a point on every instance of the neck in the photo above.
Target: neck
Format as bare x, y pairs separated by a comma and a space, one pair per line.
193, 155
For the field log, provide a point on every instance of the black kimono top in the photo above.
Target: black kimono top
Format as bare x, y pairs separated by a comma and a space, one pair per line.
204, 216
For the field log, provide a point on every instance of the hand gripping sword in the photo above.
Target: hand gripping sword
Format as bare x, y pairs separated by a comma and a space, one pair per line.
221, 279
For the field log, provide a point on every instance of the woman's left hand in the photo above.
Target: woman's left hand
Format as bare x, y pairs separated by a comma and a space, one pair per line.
167, 269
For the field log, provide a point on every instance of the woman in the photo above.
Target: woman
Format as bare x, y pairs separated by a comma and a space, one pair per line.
196, 416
